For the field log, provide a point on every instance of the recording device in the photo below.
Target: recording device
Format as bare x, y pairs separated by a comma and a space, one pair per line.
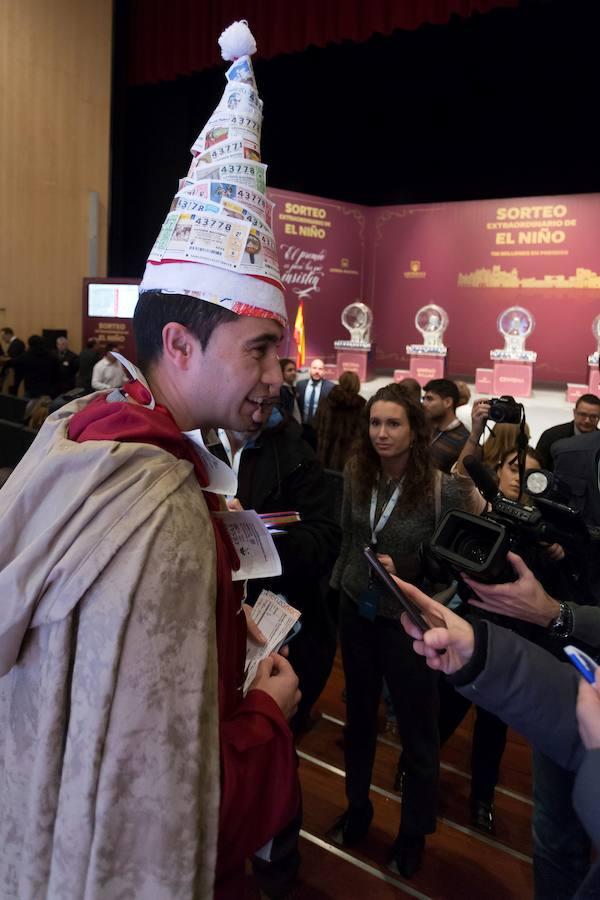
505, 409
413, 612
477, 545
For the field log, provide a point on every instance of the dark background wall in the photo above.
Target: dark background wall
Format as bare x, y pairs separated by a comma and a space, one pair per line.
495, 105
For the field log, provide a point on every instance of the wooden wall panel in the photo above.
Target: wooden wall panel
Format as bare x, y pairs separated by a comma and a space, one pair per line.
55, 89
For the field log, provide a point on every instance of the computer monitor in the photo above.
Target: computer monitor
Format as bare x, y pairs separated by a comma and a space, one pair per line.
111, 300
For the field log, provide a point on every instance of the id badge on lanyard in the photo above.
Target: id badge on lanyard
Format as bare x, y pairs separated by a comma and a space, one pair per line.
369, 600
386, 512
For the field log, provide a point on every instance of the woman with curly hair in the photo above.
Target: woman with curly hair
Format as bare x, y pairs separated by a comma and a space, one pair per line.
393, 497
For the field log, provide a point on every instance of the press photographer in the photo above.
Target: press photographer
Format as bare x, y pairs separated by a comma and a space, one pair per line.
561, 847
478, 545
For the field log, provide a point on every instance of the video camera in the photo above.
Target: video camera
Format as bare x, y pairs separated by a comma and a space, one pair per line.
477, 545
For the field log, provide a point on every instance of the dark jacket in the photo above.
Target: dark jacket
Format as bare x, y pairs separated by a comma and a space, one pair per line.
287, 399
40, 371
536, 695
69, 366
336, 424
15, 348
301, 387
549, 437
280, 472
575, 461
88, 358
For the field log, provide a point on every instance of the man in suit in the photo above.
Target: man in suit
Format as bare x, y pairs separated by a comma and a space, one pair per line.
312, 391
586, 416
69, 364
14, 347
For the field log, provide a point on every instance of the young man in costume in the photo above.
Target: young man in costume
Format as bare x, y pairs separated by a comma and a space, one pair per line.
130, 762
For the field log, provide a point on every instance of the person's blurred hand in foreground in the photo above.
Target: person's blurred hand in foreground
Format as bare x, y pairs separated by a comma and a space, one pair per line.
457, 638
588, 714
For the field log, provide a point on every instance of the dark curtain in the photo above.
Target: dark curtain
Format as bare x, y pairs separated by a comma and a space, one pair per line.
168, 38
500, 105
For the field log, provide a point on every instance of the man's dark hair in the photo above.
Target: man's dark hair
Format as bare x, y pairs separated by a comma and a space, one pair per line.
91, 343
285, 362
588, 398
7, 330
443, 387
154, 310
36, 342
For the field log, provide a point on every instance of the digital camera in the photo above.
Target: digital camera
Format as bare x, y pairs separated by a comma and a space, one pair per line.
506, 410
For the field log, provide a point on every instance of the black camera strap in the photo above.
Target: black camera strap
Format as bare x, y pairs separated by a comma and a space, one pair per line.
522, 444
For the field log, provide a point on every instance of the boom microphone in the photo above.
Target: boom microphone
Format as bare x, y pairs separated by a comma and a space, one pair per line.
482, 477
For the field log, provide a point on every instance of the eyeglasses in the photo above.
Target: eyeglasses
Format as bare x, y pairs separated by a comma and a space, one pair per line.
593, 417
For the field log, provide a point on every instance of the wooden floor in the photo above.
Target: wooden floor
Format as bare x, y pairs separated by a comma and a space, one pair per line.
458, 863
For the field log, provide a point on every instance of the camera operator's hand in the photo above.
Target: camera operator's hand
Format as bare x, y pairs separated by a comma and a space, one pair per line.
588, 714
555, 552
479, 416
387, 562
523, 599
457, 638
276, 678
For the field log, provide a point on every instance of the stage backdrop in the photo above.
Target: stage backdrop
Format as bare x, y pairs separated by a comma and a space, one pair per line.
323, 260
474, 259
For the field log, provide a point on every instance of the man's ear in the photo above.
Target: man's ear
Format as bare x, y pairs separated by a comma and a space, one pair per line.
179, 345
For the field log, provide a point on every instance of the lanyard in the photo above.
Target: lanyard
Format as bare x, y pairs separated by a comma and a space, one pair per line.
385, 512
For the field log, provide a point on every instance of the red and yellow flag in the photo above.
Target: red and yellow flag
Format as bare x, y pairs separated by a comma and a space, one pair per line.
299, 335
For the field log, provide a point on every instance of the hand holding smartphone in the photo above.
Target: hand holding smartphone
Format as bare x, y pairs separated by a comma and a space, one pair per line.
413, 611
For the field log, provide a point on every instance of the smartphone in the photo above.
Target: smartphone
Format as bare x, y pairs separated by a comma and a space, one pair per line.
586, 665
296, 627
413, 611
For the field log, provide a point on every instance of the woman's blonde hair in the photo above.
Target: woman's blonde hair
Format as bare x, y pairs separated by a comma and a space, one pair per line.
501, 441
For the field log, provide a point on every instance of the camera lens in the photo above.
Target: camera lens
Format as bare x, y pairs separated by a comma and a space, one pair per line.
473, 548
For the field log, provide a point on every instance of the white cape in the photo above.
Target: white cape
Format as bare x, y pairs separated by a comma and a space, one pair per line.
109, 759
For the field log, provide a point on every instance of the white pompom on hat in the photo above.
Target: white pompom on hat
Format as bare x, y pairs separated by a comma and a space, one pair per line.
236, 41
216, 242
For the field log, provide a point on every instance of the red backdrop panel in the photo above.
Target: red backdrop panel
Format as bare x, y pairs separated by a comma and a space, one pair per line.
475, 259
478, 258
322, 256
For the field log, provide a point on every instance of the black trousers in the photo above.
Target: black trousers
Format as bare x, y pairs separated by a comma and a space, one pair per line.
372, 651
311, 655
487, 747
